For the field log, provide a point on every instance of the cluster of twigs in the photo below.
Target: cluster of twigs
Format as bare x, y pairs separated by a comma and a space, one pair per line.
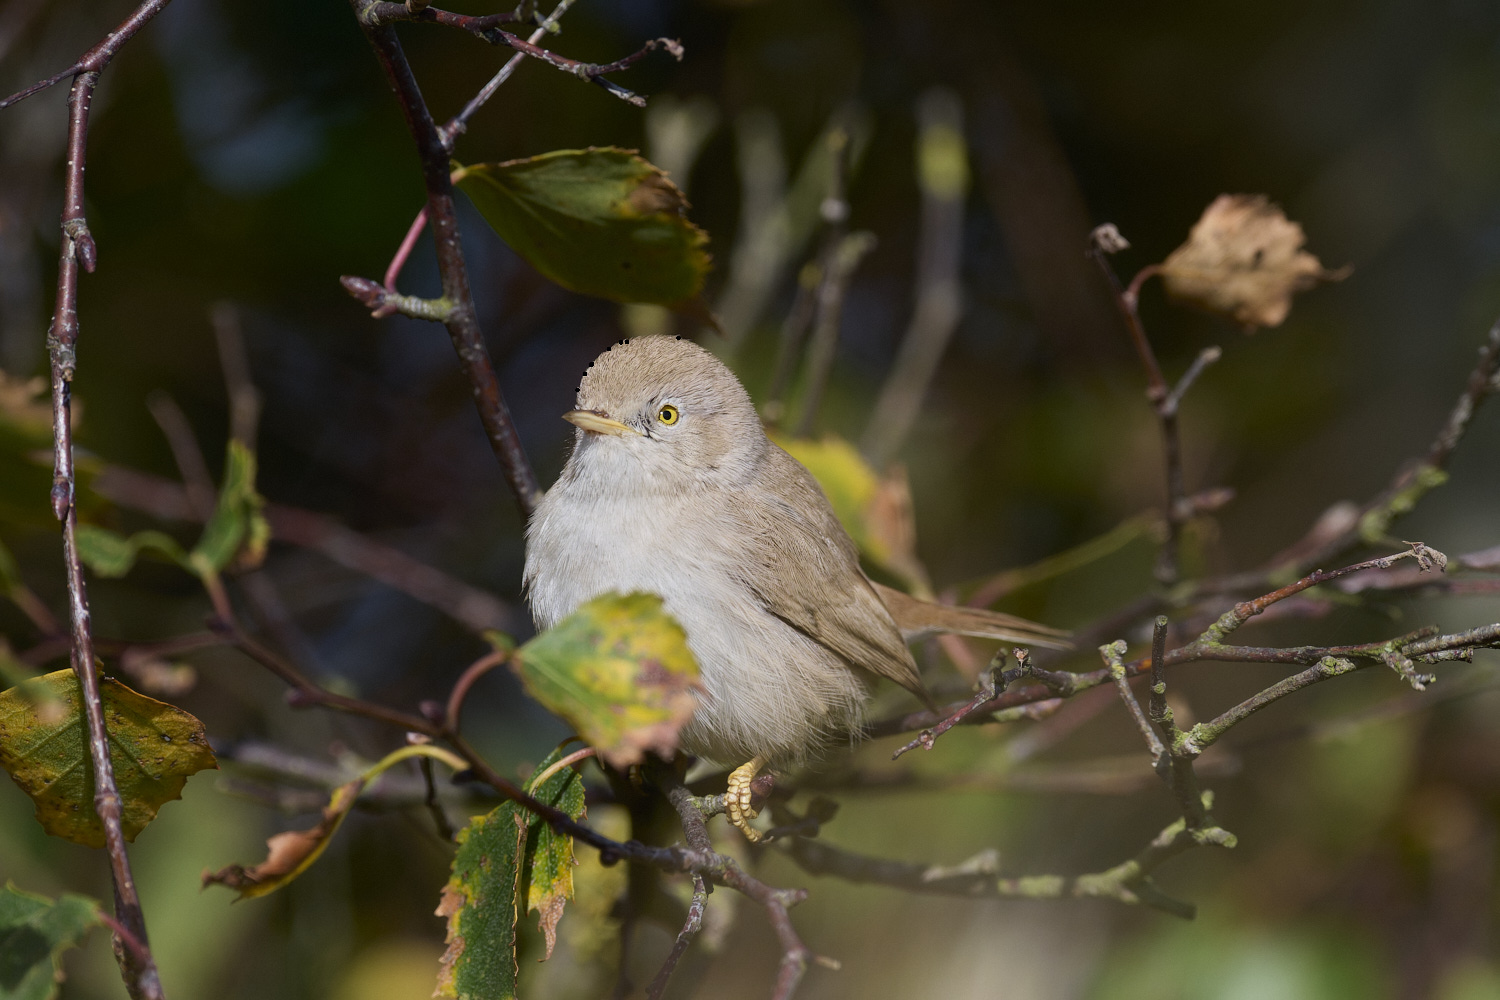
1174, 750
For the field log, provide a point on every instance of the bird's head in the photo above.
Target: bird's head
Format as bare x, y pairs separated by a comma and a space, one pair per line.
664, 413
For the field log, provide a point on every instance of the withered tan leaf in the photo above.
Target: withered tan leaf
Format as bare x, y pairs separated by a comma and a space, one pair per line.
1244, 258
291, 853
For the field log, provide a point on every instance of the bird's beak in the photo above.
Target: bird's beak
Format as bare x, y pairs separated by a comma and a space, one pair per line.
598, 423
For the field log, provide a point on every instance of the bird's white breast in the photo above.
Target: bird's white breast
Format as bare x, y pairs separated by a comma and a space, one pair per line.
770, 690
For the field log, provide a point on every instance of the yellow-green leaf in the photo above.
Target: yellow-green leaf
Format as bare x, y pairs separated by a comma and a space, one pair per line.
504, 858
44, 746
619, 669
548, 874
480, 902
291, 853
34, 932
237, 527
602, 222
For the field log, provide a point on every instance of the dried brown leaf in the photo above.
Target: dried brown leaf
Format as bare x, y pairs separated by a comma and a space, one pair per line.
1244, 258
291, 853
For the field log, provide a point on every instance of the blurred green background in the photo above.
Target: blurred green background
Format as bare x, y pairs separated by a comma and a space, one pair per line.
252, 154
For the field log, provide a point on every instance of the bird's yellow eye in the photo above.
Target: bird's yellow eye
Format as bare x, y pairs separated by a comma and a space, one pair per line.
668, 414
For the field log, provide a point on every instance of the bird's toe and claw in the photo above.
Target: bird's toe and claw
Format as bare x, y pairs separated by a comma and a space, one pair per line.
738, 798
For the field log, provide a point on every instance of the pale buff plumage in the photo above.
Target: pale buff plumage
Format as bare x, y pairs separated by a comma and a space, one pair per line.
741, 544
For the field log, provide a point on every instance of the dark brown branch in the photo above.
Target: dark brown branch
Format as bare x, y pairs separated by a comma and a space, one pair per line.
94, 61
487, 27
690, 929
1165, 400
460, 122
461, 319
1114, 659
726, 872
996, 679
78, 252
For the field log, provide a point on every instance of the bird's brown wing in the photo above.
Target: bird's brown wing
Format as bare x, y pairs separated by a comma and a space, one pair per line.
803, 567
918, 619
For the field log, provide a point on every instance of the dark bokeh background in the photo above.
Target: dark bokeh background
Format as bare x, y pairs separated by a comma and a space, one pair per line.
252, 154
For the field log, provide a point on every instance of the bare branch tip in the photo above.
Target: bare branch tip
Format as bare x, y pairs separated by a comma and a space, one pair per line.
1108, 239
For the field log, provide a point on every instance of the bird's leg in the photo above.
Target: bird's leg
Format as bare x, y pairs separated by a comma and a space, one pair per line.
737, 801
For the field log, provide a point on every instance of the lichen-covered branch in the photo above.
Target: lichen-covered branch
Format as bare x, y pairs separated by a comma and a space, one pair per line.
1129, 882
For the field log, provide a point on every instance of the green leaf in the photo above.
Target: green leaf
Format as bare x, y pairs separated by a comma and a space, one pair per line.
598, 221
620, 671
291, 853
44, 747
110, 554
503, 858
480, 904
548, 874
34, 932
237, 525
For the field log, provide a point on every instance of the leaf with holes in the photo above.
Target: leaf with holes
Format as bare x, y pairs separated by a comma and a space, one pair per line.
619, 669
34, 932
601, 221
44, 746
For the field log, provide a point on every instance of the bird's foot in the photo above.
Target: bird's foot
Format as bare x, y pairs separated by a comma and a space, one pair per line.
738, 798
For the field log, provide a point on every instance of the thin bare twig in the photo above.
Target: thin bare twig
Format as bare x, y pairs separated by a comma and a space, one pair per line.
690, 929
1165, 400
378, 14
461, 319
79, 252
460, 122
795, 955
1211, 646
466, 682
1114, 659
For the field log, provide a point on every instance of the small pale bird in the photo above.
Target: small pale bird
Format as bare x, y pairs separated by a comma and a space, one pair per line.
673, 488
